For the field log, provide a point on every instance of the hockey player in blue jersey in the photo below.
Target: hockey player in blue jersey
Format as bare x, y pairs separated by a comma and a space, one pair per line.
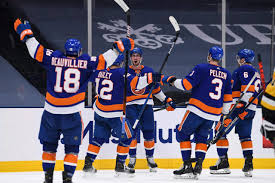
240, 78
67, 77
211, 96
108, 113
135, 101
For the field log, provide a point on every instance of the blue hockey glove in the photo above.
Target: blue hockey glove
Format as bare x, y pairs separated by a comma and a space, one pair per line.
168, 80
154, 77
23, 29
124, 44
170, 104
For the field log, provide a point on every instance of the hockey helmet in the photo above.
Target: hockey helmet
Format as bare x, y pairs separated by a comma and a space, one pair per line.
216, 52
136, 50
73, 47
247, 54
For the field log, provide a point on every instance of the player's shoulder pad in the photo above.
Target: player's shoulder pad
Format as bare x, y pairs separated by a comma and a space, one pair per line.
84, 57
57, 53
246, 68
147, 69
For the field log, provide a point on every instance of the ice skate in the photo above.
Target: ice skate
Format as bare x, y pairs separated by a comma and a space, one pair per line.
185, 172
198, 168
132, 163
88, 166
152, 164
121, 169
248, 166
48, 176
221, 167
66, 177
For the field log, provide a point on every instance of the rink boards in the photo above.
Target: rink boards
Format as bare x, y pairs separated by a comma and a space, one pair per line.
21, 150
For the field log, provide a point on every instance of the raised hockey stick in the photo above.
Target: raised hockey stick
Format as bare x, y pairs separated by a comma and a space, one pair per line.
177, 29
164, 107
126, 9
260, 63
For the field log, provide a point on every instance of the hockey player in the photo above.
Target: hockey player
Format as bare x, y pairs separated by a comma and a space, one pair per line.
268, 109
135, 101
108, 113
241, 77
211, 96
67, 77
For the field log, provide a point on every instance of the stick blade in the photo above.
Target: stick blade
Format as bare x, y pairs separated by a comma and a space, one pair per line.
174, 23
123, 5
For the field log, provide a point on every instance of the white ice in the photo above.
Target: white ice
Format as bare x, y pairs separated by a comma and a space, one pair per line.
143, 176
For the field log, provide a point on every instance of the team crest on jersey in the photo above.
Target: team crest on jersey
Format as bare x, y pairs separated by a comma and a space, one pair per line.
138, 92
145, 36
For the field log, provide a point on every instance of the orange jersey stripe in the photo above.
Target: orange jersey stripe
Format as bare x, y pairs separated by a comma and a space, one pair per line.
185, 145
201, 146
236, 94
121, 149
40, 53
17, 23
255, 101
133, 143
205, 107
251, 88
71, 158
65, 101
136, 97
133, 83
114, 107
183, 119
156, 90
227, 98
222, 142
101, 63
48, 156
93, 148
187, 85
246, 144
127, 130
149, 144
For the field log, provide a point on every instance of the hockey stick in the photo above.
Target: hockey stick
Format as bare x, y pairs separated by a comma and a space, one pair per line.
260, 63
177, 29
164, 107
126, 9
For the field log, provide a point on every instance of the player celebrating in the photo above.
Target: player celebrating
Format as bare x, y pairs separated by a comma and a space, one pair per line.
211, 96
241, 77
108, 113
135, 101
268, 109
67, 78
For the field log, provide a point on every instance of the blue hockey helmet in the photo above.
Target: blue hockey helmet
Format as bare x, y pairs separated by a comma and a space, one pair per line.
247, 54
216, 52
73, 47
136, 50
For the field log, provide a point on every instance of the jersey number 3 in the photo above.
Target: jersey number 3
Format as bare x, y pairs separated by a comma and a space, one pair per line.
218, 89
71, 80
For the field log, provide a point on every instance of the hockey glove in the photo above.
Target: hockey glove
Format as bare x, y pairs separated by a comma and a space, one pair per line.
168, 80
240, 110
154, 77
124, 44
23, 29
170, 104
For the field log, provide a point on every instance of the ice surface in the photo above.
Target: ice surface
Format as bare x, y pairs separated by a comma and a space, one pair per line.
143, 176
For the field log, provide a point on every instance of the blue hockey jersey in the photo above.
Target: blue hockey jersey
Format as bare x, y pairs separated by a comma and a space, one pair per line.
67, 77
109, 88
240, 79
211, 90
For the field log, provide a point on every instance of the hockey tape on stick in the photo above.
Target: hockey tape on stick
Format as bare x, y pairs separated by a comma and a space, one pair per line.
123, 5
177, 29
164, 107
